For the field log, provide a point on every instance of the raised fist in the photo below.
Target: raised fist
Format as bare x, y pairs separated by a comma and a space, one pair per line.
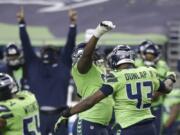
72, 16
20, 15
103, 27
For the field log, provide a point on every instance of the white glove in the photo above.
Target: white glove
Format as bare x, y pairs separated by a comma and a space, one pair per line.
103, 27
172, 75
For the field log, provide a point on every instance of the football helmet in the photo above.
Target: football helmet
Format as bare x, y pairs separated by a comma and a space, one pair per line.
13, 56
8, 86
121, 54
151, 53
78, 51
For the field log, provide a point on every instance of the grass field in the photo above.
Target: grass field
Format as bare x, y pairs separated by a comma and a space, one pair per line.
41, 35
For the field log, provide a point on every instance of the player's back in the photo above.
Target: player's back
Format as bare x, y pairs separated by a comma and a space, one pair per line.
133, 93
21, 114
87, 84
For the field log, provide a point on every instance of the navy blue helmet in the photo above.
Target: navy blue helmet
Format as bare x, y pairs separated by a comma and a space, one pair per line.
7, 86
78, 51
121, 54
154, 50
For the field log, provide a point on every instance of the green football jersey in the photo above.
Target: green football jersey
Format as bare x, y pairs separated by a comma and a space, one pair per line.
21, 114
162, 70
171, 99
133, 90
87, 84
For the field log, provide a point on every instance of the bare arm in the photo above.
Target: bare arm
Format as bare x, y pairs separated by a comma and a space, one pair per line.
85, 62
89, 102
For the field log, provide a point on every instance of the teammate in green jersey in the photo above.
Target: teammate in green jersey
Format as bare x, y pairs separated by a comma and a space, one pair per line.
132, 89
19, 110
150, 57
88, 79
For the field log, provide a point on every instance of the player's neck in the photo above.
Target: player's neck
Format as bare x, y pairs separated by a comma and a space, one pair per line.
125, 66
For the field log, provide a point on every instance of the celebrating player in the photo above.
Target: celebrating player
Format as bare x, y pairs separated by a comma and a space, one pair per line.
88, 79
19, 110
132, 89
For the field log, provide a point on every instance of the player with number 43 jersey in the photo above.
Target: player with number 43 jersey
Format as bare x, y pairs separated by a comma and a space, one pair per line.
132, 90
19, 110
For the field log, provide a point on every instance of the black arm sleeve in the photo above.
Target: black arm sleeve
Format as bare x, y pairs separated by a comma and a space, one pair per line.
29, 53
162, 87
106, 89
68, 49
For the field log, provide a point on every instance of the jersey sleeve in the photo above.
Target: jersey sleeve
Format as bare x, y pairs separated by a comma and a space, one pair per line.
112, 80
155, 78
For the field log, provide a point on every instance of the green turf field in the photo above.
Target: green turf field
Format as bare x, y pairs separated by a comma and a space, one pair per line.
41, 35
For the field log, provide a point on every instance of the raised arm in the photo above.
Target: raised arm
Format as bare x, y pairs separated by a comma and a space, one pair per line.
71, 39
85, 62
29, 53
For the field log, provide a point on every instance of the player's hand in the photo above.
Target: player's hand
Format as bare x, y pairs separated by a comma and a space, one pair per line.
72, 16
20, 15
171, 75
103, 27
60, 121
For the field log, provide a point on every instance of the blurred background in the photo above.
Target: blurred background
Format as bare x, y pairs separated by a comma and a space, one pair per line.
135, 20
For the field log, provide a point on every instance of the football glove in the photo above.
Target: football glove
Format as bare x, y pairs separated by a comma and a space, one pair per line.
103, 27
60, 121
171, 75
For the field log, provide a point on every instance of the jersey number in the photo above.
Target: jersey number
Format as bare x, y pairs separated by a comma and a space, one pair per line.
138, 95
31, 121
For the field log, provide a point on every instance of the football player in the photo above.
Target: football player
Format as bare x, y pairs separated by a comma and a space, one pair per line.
132, 90
88, 79
150, 57
19, 110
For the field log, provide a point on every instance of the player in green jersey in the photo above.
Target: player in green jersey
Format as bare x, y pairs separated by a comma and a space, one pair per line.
150, 57
171, 114
132, 89
88, 79
19, 110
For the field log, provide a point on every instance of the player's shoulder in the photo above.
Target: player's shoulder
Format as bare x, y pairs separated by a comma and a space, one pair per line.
162, 63
111, 76
25, 95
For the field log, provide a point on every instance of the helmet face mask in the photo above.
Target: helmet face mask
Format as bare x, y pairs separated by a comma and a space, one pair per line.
151, 53
13, 56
